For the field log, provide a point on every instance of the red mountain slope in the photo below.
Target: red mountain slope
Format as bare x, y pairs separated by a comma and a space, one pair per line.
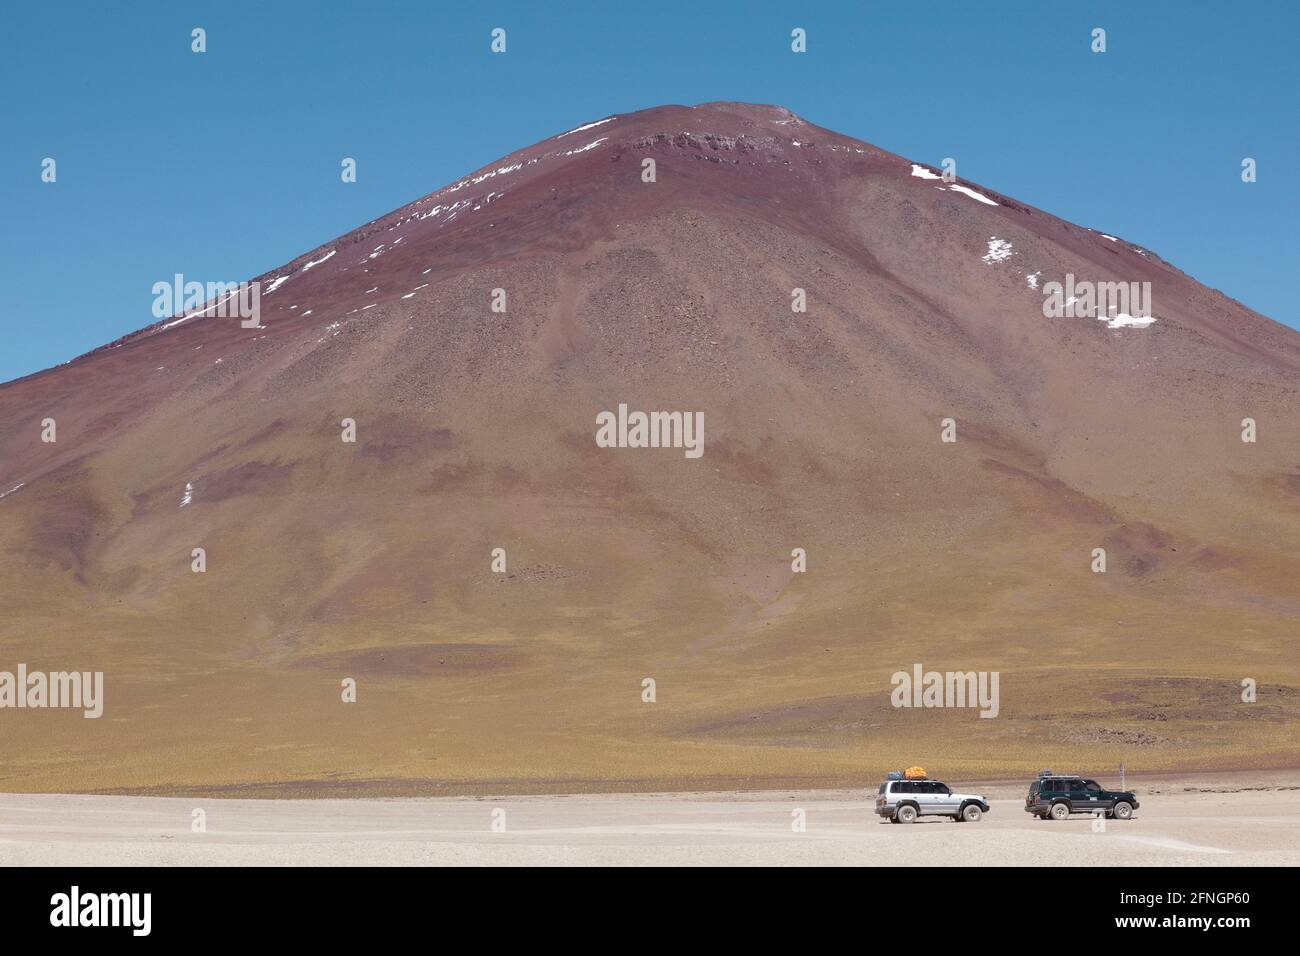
476, 430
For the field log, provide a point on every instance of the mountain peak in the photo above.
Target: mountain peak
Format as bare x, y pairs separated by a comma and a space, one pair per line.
400, 479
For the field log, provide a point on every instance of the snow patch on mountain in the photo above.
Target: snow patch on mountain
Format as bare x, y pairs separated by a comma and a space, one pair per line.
966, 190
579, 129
999, 250
1126, 321
582, 149
316, 262
206, 308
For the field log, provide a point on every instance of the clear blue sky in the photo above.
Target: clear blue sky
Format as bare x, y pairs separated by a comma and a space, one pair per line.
226, 164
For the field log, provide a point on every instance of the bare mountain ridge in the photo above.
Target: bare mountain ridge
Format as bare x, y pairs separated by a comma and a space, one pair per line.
475, 430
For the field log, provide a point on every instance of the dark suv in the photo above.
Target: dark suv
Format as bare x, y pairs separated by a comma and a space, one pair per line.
1057, 795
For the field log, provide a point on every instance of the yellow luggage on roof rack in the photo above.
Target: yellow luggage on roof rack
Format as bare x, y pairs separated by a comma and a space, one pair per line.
914, 773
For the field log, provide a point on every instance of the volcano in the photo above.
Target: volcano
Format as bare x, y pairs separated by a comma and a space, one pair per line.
905, 462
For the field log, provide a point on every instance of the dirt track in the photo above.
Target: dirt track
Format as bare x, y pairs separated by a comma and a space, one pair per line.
1174, 827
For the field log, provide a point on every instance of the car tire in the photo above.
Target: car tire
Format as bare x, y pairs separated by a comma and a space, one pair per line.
1060, 811
1123, 810
906, 814
971, 813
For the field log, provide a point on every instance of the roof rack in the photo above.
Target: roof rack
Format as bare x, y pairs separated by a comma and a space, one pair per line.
1042, 774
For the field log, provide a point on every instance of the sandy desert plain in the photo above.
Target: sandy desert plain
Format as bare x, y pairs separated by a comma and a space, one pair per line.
1239, 819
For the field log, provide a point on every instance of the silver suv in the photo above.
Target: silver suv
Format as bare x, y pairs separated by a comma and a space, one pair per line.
902, 801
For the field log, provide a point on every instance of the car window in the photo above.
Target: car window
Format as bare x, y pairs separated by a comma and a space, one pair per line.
942, 788
1075, 785
1092, 784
